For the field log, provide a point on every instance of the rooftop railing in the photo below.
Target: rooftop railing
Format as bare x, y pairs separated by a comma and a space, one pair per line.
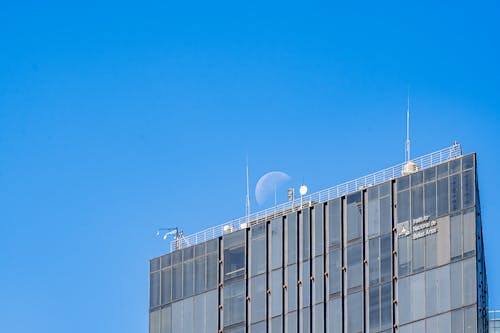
378, 177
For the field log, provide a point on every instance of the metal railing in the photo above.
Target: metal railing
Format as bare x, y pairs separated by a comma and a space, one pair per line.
378, 177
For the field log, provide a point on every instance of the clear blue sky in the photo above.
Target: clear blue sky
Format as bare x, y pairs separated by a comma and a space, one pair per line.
119, 118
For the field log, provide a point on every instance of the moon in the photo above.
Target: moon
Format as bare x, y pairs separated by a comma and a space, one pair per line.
268, 183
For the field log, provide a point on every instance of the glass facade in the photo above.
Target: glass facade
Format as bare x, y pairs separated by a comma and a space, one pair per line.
402, 256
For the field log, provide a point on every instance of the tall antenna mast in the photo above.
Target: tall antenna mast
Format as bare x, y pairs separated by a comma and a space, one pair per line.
248, 192
407, 153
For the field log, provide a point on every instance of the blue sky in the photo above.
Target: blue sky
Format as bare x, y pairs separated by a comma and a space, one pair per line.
119, 118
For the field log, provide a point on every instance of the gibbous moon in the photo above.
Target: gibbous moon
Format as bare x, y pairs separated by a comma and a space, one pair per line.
268, 183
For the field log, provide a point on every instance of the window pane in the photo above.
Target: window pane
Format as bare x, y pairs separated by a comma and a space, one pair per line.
455, 166
374, 311
443, 288
456, 284
292, 287
291, 227
404, 300
318, 230
334, 217
234, 303
212, 270
258, 247
430, 199
335, 316
418, 296
386, 305
354, 216
199, 274
470, 287
469, 232
187, 278
417, 202
154, 289
457, 321
166, 320
373, 261
431, 250
188, 315
468, 191
429, 174
442, 170
276, 292
154, 322
176, 281
373, 212
416, 178
354, 266
418, 253
456, 236
431, 292
276, 243
334, 272
470, 320
305, 287
403, 206
443, 240
318, 279
385, 215
404, 254
211, 309
305, 234
385, 258
354, 312
455, 193
403, 183
442, 196
166, 286
234, 255
199, 310
258, 298
276, 325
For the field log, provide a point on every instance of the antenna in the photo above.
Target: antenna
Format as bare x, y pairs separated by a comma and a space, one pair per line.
248, 192
407, 152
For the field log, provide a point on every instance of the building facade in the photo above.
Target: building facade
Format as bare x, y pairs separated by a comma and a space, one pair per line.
404, 255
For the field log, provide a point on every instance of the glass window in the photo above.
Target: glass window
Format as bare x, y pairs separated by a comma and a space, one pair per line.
373, 261
374, 310
386, 306
442, 196
305, 234
431, 251
318, 279
199, 310
166, 261
199, 250
403, 206
404, 255
188, 253
276, 325
468, 191
373, 212
354, 266
470, 320
418, 296
443, 240
276, 244
258, 247
176, 281
187, 278
166, 286
234, 255
276, 292
335, 316
166, 320
234, 302
188, 315
385, 215
212, 270
456, 236
334, 274
455, 193
354, 312
430, 199
418, 254
334, 216
154, 289
384, 189
259, 327
442, 170
456, 284
429, 174
291, 322
416, 178
305, 287
318, 230
305, 319
199, 274
443, 288
211, 309
385, 258
212, 245
318, 319
354, 216
177, 313
470, 287
291, 227
468, 162
417, 202
404, 301
469, 226
455, 166
457, 321
154, 264
154, 322
291, 276
403, 183
431, 292
258, 298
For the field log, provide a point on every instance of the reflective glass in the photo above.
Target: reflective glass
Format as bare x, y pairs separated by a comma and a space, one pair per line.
468, 191
354, 266
469, 226
334, 226
442, 197
335, 316
354, 313
455, 193
430, 199
354, 216
403, 206
291, 276
385, 215
417, 202
305, 234
166, 286
373, 261
318, 230
385, 258
234, 302
276, 243
334, 272
258, 248
456, 236
386, 306
258, 298
188, 278
418, 296
291, 227
276, 292
374, 311
154, 289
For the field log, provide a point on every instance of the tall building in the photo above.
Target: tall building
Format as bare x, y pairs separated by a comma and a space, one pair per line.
384, 253
494, 321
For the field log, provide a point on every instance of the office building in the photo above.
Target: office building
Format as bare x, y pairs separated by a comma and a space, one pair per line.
400, 250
